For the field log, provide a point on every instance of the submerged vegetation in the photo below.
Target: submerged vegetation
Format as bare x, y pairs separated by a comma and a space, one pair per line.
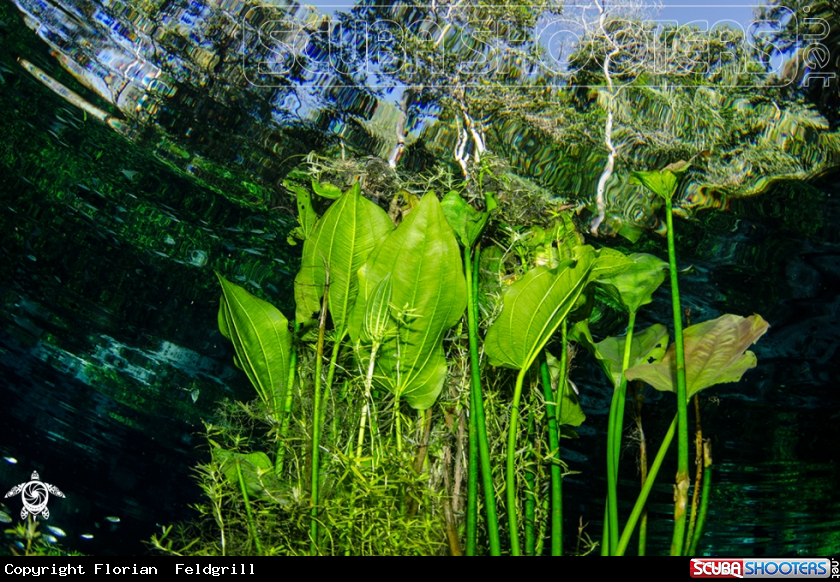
416, 397
384, 413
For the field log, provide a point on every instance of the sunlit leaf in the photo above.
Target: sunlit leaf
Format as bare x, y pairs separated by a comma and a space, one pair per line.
378, 312
261, 339
339, 243
647, 346
534, 307
609, 263
634, 287
715, 353
466, 221
326, 190
663, 182
428, 296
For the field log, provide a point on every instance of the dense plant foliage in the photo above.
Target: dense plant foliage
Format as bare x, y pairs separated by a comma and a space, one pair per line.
390, 396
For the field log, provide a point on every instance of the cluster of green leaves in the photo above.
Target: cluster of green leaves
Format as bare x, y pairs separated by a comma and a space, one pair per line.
392, 296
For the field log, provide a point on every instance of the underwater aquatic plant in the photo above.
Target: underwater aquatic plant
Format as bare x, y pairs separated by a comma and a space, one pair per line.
400, 294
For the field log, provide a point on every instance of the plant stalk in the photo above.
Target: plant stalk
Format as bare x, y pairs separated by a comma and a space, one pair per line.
477, 404
698, 473
510, 477
251, 525
366, 407
638, 399
681, 496
530, 487
287, 404
554, 457
472, 481
643, 495
614, 438
316, 428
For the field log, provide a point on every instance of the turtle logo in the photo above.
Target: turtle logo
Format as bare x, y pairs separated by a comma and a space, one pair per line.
35, 495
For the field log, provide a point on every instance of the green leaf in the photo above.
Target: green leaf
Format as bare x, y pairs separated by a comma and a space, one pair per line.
326, 190
609, 263
306, 213
663, 182
261, 339
340, 243
466, 221
634, 287
257, 474
428, 297
715, 353
647, 346
570, 411
490, 202
378, 312
534, 307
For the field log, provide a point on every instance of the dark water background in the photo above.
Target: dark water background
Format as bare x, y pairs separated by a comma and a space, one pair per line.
108, 327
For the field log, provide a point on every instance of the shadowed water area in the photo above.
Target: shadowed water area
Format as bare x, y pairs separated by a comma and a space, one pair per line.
112, 226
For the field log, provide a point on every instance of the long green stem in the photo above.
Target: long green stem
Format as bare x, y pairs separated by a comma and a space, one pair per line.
251, 524
530, 488
618, 429
330, 376
472, 482
643, 495
477, 405
287, 404
397, 421
682, 399
554, 457
510, 477
614, 432
316, 429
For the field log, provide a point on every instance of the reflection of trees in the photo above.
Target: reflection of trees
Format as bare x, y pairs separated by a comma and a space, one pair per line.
635, 97
449, 58
454, 79
810, 38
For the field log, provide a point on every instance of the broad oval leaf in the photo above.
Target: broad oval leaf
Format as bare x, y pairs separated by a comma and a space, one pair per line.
340, 243
428, 297
648, 346
534, 307
466, 221
634, 286
715, 353
261, 339
663, 182
609, 263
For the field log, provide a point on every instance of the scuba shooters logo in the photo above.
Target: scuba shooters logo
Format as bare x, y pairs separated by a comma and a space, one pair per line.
35, 494
762, 568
